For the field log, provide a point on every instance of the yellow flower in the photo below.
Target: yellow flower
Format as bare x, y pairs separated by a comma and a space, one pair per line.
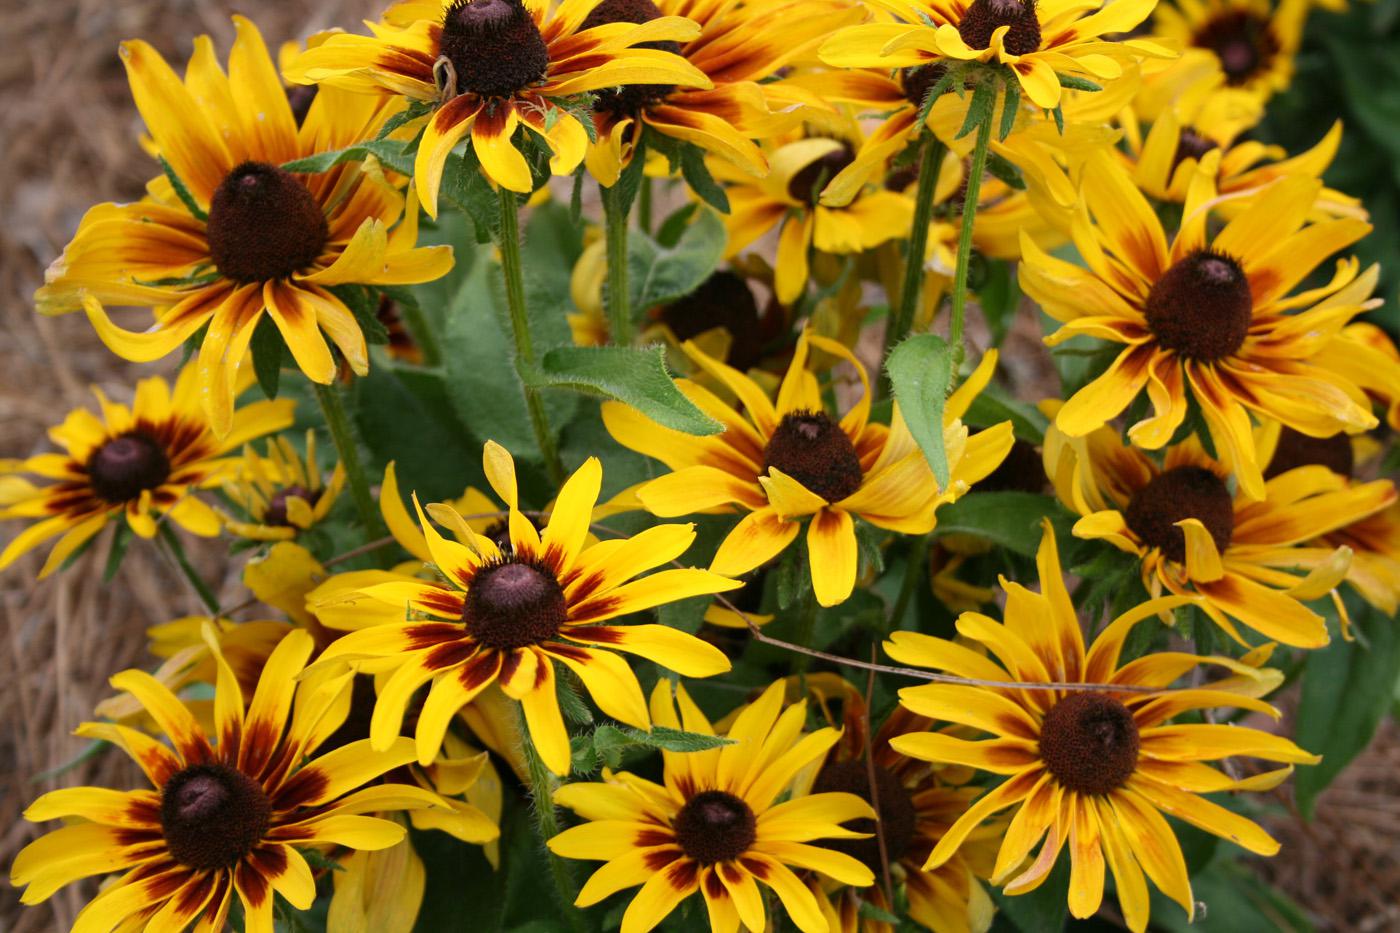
491, 66
1193, 536
282, 493
1094, 769
740, 46
254, 239
1208, 116
1209, 320
715, 826
781, 464
508, 614
789, 198
1374, 539
144, 461
1035, 40
1253, 43
917, 805
222, 816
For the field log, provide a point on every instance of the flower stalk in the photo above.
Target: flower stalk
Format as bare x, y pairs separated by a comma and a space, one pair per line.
520, 330
343, 436
543, 783
911, 289
177, 554
976, 170
615, 218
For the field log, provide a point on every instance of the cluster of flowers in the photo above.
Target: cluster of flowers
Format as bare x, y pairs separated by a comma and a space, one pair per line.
1104, 149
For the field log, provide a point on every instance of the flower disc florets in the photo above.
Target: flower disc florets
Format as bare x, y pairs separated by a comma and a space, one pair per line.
812, 449
124, 467
212, 816
512, 605
985, 17
630, 99
1176, 495
264, 224
898, 818
494, 46
1201, 307
715, 826
1089, 742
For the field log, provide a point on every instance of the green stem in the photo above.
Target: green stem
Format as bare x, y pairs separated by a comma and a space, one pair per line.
177, 553
343, 436
806, 626
619, 304
422, 332
543, 783
974, 190
930, 160
520, 329
913, 573
644, 205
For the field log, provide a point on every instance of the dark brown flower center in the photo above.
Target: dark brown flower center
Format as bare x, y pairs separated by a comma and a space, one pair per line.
812, 449
276, 513
808, 183
511, 605
124, 467
985, 17
628, 100
1191, 145
264, 224
495, 48
1089, 742
723, 300
1023, 470
1201, 307
715, 826
212, 816
1295, 449
1174, 496
1243, 41
919, 80
898, 817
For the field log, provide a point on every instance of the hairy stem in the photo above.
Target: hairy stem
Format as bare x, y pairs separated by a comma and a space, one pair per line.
542, 786
910, 291
974, 189
913, 573
619, 303
520, 330
177, 554
343, 436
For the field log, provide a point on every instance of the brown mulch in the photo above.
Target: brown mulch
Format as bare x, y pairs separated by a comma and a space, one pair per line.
67, 140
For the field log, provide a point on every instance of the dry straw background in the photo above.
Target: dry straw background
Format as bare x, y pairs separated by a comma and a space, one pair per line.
67, 140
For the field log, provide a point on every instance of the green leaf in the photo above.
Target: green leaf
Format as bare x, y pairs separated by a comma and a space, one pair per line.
698, 177
919, 370
570, 703
1008, 519
979, 112
937, 91
635, 377
182, 192
576, 199
267, 348
1003, 170
414, 110
464, 186
630, 180
121, 539
404, 415
675, 740
393, 153
1075, 83
658, 275
1345, 691
993, 405
1011, 102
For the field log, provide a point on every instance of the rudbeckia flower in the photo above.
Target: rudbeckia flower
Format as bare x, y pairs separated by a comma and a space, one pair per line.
789, 197
506, 615
492, 66
739, 47
1238, 554
1206, 319
714, 825
1209, 117
282, 493
144, 461
1253, 42
1374, 540
223, 815
1035, 40
253, 239
1092, 769
917, 804
782, 463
